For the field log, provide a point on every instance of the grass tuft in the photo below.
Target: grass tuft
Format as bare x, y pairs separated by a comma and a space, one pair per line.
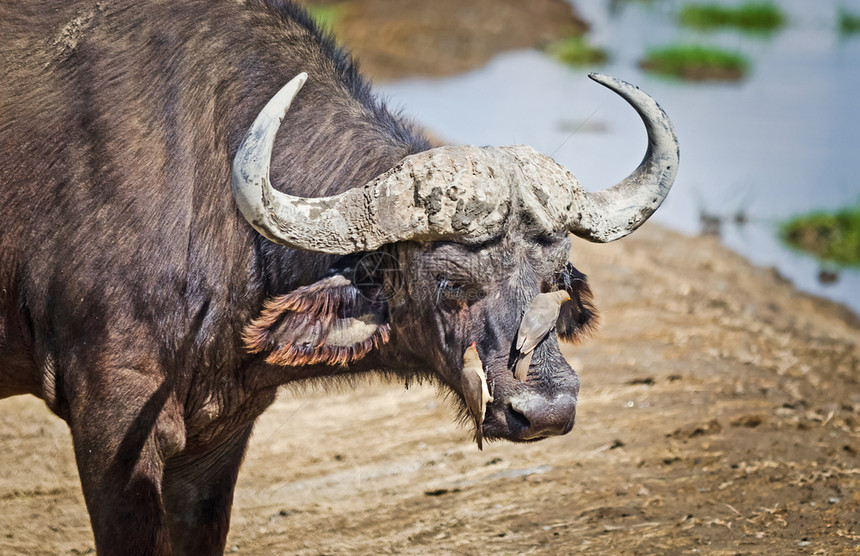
326, 16
696, 63
849, 23
576, 52
760, 17
830, 236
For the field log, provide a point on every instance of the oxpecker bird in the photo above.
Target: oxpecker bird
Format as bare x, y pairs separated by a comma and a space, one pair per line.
475, 390
539, 319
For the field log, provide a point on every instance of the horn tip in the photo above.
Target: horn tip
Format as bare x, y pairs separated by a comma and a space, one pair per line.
610, 82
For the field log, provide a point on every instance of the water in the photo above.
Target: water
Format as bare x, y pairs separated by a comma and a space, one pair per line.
783, 141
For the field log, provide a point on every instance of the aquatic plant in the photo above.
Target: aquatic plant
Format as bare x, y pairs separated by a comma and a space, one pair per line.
849, 23
576, 51
326, 16
748, 16
696, 63
830, 236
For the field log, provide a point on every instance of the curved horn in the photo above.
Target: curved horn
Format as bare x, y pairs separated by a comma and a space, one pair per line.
617, 211
460, 193
444, 193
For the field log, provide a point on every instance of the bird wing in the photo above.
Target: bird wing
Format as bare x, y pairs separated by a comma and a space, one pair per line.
472, 390
536, 324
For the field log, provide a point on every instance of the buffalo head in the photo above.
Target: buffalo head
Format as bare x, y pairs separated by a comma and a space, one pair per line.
447, 248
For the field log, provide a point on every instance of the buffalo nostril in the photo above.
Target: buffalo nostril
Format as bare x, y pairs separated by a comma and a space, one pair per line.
516, 419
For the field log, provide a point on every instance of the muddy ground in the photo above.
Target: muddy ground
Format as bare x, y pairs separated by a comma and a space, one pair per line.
719, 414
402, 38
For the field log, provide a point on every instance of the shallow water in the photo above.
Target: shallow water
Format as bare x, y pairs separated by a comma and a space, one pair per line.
785, 140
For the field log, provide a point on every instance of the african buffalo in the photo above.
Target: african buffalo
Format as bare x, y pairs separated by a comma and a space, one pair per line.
156, 289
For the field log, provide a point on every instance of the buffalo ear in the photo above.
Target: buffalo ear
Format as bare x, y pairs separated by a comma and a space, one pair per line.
327, 322
578, 317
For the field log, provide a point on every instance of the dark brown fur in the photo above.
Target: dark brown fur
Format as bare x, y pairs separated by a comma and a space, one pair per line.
126, 273
128, 278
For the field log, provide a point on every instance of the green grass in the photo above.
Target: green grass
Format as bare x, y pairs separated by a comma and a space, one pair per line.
761, 17
849, 23
696, 63
830, 236
577, 52
326, 16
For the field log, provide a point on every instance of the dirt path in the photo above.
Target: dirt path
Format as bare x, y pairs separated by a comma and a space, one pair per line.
719, 414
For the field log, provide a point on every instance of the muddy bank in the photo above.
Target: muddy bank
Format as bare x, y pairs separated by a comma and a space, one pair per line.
395, 39
719, 413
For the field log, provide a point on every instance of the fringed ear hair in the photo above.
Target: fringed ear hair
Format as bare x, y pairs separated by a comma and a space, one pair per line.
326, 322
578, 318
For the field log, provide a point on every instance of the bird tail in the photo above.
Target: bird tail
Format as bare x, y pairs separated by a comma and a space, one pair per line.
522, 369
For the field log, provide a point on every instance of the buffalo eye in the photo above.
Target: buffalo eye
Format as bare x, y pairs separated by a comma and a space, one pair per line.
452, 293
449, 292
